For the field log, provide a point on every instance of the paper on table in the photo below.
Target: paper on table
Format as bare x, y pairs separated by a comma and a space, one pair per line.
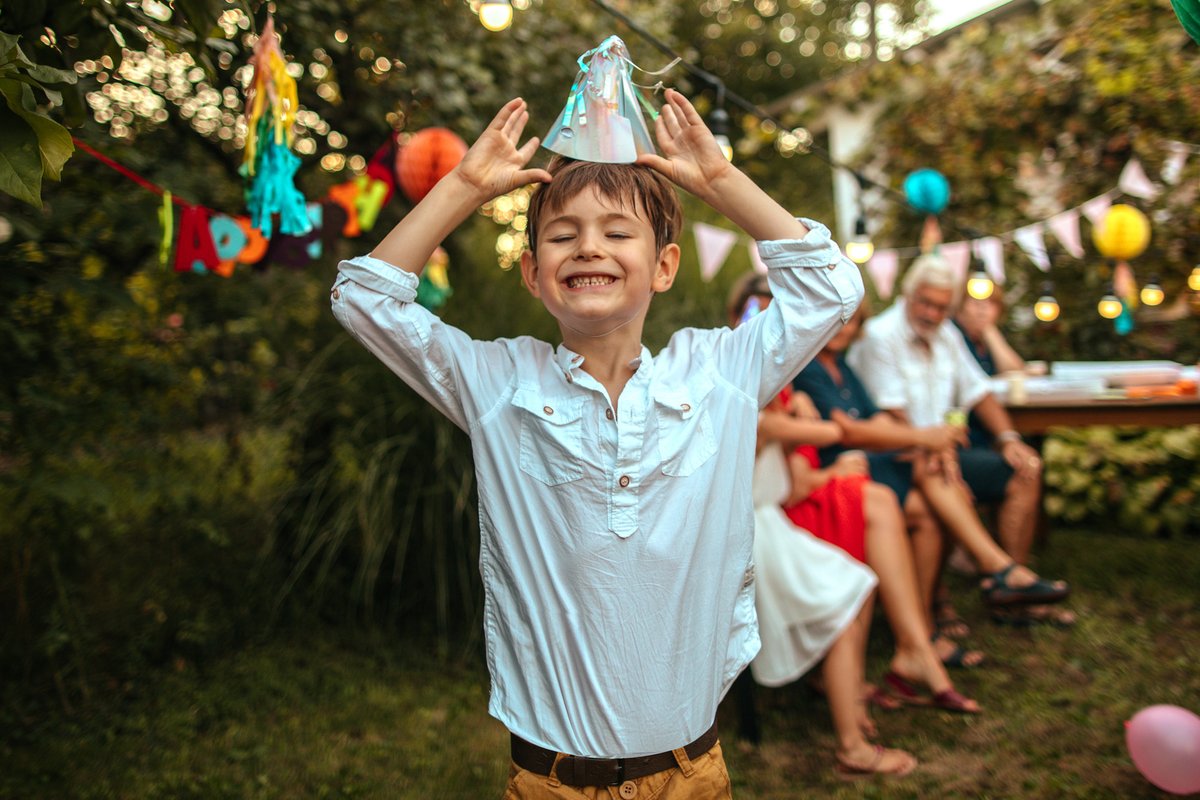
1119, 373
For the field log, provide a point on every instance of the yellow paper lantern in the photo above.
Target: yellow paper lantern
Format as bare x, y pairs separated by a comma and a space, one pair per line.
1123, 233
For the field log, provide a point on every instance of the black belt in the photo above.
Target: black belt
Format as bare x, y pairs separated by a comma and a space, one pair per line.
581, 771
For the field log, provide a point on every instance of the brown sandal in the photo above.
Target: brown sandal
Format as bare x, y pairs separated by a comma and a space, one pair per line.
851, 772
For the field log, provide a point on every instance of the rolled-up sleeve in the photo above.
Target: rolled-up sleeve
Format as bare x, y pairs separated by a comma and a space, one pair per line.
374, 301
816, 289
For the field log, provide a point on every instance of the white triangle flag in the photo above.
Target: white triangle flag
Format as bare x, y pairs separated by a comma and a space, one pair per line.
882, 268
990, 250
1096, 208
957, 256
1065, 227
712, 246
1173, 167
756, 260
1133, 181
1031, 240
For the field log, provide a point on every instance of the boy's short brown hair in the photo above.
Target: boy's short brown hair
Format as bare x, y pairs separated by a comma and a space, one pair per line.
641, 187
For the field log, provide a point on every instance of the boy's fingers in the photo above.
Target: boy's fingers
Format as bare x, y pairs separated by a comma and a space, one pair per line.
528, 176
512, 126
655, 162
670, 119
528, 149
505, 114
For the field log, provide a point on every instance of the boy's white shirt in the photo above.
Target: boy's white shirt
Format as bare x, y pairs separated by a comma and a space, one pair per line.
615, 553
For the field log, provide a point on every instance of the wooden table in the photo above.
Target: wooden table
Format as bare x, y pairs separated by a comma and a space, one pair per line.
1036, 416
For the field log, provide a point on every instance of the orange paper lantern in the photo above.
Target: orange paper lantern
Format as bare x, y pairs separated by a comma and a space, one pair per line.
426, 158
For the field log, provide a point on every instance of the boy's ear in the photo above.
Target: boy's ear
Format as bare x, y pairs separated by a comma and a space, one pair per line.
668, 266
529, 273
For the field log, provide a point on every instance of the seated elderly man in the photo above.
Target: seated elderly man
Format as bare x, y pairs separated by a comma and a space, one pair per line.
917, 367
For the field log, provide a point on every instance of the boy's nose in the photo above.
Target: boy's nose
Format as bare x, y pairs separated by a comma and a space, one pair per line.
587, 248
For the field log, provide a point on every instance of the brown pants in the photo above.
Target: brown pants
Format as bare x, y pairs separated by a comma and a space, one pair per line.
703, 778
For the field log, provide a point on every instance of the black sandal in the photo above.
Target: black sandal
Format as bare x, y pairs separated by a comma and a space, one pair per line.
1041, 592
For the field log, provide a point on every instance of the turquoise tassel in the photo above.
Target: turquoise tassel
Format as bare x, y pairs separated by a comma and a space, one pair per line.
271, 189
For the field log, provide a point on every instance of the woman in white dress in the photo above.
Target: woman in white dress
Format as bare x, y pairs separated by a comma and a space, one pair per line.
814, 602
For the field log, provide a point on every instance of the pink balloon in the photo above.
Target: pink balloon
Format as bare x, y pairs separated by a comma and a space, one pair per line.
1164, 742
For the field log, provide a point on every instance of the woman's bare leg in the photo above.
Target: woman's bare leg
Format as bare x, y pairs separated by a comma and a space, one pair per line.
888, 554
844, 675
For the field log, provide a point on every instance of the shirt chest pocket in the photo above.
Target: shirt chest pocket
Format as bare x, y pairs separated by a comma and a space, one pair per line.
685, 430
551, 437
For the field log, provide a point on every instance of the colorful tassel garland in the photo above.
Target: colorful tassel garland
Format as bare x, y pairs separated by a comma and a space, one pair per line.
269, 166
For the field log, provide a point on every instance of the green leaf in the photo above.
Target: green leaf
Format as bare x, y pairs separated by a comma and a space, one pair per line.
20, 161
54, 143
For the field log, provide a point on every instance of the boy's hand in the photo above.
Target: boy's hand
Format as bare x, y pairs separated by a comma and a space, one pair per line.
693, 159
494, 165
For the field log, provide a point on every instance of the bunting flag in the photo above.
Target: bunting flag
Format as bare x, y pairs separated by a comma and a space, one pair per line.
1173, 167
1133, 181
882, 268
957, 256
712, 248
1096, 208
990, 250
1065, 227
1030, 240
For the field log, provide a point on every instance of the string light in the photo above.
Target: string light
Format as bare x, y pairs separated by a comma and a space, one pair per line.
980, 286
1046, 308
860, 248
496, 15
1152, 293
1109, 306
1194, 279
718, 123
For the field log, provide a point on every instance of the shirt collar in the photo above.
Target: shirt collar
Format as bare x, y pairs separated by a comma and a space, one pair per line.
569, 361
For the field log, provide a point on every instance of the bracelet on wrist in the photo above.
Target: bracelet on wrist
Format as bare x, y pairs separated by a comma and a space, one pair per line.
1004, 437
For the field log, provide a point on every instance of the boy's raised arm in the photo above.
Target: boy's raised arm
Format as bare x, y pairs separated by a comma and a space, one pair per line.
493, 166
695, 163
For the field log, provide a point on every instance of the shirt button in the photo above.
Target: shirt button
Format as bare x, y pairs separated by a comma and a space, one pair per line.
337, 293
548, 410
628, 790
624, 481
685, 407
608, 413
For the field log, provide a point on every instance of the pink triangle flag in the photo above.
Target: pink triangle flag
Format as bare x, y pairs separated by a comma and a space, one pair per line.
990, 250
1065, 227
1133, 181
1096, 208
712, 246
1173, 166
1031, 240
755, 260
957, 256
882, 268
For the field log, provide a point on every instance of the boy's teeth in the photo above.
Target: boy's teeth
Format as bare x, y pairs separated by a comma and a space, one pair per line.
588, 280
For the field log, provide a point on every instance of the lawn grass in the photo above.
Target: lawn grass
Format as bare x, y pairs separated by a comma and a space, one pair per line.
362, 716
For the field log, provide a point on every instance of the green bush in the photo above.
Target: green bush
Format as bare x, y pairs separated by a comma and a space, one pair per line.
1147, 480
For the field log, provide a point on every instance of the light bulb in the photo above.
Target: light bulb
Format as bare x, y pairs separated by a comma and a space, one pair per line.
1194, 279
1046, 308
496, 15
860, 248
1152, 294
1109, 306
718, 123
980, 286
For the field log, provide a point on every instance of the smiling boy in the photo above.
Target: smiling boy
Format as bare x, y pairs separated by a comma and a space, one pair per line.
615, 511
